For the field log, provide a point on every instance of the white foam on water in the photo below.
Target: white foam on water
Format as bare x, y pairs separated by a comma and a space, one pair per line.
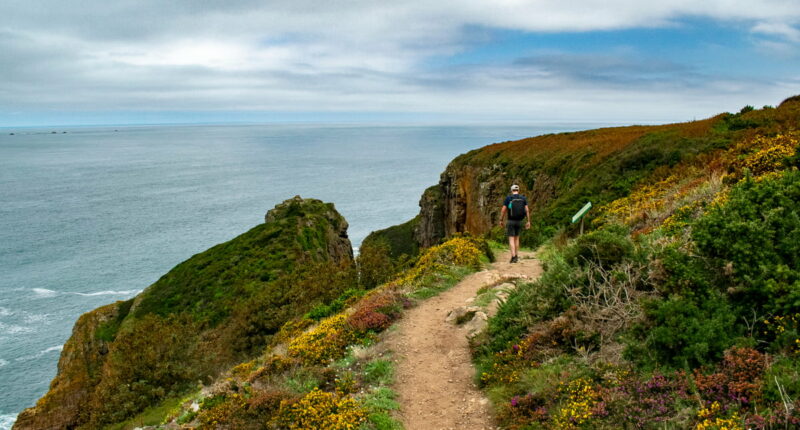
110, 293
14, 329
30, 318
7, 420
44, 292
3, 362
41, 353
4, 312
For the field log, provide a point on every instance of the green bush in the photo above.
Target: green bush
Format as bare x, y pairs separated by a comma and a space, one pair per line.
606, 247
674, 271
753, 241
375, 265
531, 302
325, 310
682, 332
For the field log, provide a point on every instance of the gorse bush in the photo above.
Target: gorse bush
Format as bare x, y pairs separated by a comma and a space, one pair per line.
323, 411
459, 251
753, 241
683, 332
325, 342
607, 246
326, 310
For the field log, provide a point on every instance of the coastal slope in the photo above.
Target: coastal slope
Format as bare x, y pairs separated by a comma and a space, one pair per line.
213, 310
561, 172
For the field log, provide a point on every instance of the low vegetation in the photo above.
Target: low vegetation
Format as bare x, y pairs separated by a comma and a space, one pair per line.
679, 311
326, 369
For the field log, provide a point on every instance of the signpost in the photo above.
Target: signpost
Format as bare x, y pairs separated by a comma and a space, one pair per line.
579, 215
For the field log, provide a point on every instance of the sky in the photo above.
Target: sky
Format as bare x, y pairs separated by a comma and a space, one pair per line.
67, 62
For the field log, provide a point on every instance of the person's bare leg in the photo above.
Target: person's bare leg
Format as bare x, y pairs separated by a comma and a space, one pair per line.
516, 246
512, 244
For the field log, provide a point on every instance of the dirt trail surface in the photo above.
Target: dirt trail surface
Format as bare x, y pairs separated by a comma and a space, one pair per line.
434, 368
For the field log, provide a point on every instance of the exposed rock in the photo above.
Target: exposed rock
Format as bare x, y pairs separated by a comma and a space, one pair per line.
476, 325
430, 229
339, 247
461, 314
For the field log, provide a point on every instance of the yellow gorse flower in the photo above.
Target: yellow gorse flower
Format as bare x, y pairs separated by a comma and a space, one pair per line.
322, 411
324, 342
458, 251
712, 422
577, 409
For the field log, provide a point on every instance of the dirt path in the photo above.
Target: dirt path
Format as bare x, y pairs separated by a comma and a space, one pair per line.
434, 368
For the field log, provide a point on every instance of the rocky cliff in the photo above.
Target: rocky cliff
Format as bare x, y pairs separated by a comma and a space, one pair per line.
216, 308
560, 172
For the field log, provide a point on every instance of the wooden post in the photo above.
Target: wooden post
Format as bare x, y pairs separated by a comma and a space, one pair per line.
581, 226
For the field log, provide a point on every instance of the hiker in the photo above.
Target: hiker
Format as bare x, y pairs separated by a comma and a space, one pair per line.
516, 206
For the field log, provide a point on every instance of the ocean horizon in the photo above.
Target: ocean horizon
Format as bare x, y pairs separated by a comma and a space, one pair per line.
94, 214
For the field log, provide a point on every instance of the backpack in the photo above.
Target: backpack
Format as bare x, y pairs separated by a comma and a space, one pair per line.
516, 207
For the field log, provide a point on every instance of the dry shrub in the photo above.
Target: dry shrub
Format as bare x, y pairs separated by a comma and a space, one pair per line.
609, 300
273, 365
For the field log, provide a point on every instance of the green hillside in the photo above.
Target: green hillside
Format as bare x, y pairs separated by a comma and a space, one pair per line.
680, 310
215, 309
561, 172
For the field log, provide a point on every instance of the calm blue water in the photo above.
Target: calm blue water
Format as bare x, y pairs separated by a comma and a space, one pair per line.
96, 215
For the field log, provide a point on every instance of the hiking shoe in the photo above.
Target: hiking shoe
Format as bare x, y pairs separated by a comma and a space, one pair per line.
515, 259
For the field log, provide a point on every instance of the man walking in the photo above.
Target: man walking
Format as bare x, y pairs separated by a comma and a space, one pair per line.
516, 206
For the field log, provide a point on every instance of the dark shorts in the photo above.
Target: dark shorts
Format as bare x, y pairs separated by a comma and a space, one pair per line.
513, 227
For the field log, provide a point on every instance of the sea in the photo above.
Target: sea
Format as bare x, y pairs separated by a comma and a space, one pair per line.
92, 215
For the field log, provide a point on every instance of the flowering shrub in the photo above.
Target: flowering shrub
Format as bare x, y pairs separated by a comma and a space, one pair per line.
323, 343
646, 198
523, 410
505, 367
219, 409
639, 402
582, 403
682, 217
273, 365
737, 379
377, 311
458, 251
321, 411
766, 154
293, 328
243, 369
710, 419
784, 332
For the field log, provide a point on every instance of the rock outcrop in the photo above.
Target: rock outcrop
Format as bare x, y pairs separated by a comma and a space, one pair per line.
216, 308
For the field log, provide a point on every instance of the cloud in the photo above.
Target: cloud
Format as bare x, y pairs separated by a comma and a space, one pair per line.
359, 55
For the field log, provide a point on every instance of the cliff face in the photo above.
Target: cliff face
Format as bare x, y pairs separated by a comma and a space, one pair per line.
559, 173
78, 372
214, 309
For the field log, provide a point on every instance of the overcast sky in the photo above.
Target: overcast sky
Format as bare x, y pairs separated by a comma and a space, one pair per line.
129, 61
